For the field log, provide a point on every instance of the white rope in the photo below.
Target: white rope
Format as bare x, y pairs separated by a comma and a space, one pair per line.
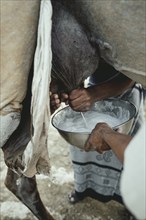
36, 157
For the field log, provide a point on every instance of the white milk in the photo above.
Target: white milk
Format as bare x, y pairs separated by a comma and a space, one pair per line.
74, 122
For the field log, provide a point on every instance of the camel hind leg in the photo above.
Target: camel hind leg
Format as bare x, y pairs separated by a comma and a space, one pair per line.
25, 189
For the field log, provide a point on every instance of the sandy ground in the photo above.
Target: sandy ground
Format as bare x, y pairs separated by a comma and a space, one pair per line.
54, 191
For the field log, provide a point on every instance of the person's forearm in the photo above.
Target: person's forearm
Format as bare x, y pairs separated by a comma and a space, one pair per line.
117, 142
112, 88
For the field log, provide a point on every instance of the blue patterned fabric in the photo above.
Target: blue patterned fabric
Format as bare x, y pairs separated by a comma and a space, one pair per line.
98, 175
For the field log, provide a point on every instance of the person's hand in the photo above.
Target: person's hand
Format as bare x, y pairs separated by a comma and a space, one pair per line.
81, 99
56, 97
96, 139
55, 102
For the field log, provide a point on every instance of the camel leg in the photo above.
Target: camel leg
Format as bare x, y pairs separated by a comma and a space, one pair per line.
25, 189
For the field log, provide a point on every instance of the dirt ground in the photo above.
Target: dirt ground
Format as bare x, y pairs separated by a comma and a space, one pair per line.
54, 191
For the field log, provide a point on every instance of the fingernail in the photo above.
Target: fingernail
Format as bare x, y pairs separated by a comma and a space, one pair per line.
56, 96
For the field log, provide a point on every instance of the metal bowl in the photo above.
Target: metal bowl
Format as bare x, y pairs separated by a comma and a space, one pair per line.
121, 111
